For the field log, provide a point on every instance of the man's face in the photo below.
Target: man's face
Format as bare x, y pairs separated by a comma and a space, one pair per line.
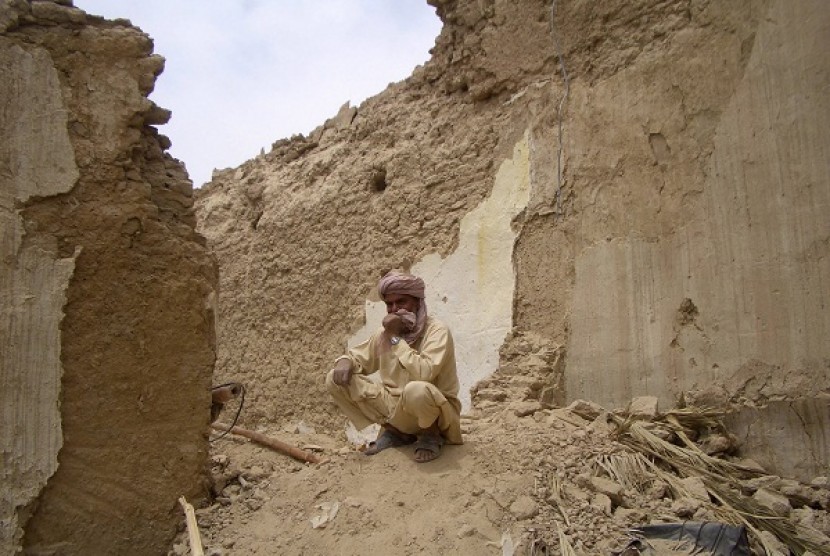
396, 301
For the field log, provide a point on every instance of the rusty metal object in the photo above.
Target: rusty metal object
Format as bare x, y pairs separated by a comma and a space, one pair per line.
220, 395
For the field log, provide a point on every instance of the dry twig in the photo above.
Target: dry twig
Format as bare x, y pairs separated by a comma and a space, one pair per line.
192, 528
272, 443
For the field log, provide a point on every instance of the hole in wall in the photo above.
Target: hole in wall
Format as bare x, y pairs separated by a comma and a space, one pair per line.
377, 180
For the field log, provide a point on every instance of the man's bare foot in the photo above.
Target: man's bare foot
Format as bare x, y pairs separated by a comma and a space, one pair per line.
428, 447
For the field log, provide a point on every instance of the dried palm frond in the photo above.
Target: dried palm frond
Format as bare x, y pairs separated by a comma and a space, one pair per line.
721, 479
697, 417
631, 470
565, 546
555, 490
641, 439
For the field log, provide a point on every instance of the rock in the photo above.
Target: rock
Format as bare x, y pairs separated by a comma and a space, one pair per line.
777, 503
602, 503
601, 425
820, 482
523, 409
204, 511
767, 481
491, 394
609, 488
253, 503
54, 12
750, 465
658, 490
575, 493
821, 498
714, 397
344, 117
466, 531
696, 488
643, 407
353, 502
524, 508
814, 523
717, 444
799, 495
156, 115
255, 473
630, 516
549, 396
220, 460
777, 548
586, 410
685, 507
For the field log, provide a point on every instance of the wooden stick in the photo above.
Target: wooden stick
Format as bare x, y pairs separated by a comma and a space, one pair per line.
272, 443
192, 528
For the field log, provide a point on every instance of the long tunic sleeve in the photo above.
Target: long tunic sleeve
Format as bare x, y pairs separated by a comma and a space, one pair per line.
431, 359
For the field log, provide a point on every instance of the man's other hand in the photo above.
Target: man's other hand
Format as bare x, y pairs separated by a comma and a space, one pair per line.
342, 372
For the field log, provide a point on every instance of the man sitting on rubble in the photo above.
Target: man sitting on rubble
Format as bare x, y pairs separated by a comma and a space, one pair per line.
416, 400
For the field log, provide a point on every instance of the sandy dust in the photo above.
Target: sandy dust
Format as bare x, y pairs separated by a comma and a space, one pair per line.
519, 485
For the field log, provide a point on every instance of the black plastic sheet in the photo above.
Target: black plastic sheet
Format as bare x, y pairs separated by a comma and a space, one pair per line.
717, 539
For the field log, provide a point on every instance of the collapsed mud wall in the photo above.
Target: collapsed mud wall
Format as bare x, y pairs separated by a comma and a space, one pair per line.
663, 166
107, 329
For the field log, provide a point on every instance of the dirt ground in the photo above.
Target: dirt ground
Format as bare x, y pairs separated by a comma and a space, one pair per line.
527, 481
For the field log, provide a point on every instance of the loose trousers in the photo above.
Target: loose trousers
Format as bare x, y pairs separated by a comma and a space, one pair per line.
418, 405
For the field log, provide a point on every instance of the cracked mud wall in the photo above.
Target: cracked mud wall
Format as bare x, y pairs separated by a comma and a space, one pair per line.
701, 261
36, 160
674, 243
471, 290
728, 215
304, 231
104, 288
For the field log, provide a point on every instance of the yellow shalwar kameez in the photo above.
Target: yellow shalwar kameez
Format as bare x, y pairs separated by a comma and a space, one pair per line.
418, 384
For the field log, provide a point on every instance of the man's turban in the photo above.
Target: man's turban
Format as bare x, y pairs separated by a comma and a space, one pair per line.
401, 284
407, 284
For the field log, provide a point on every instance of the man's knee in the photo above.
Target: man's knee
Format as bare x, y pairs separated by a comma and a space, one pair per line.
331, 386
417, 393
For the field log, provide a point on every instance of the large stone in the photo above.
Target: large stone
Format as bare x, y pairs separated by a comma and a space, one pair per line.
611, 489
775, 502
696, 488
643, 407
524, 507
801, 453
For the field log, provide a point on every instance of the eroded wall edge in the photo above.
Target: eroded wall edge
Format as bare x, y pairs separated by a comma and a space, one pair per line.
36, 160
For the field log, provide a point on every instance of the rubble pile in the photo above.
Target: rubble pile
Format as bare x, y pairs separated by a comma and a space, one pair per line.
528, 479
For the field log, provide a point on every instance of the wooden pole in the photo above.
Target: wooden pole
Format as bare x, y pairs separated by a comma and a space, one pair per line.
272, 443
192, 528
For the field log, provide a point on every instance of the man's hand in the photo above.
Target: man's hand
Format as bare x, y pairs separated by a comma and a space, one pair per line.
342, 372
394, 324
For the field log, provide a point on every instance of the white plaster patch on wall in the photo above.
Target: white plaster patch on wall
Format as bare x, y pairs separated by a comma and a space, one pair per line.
36, 159
37, 156
472, 289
